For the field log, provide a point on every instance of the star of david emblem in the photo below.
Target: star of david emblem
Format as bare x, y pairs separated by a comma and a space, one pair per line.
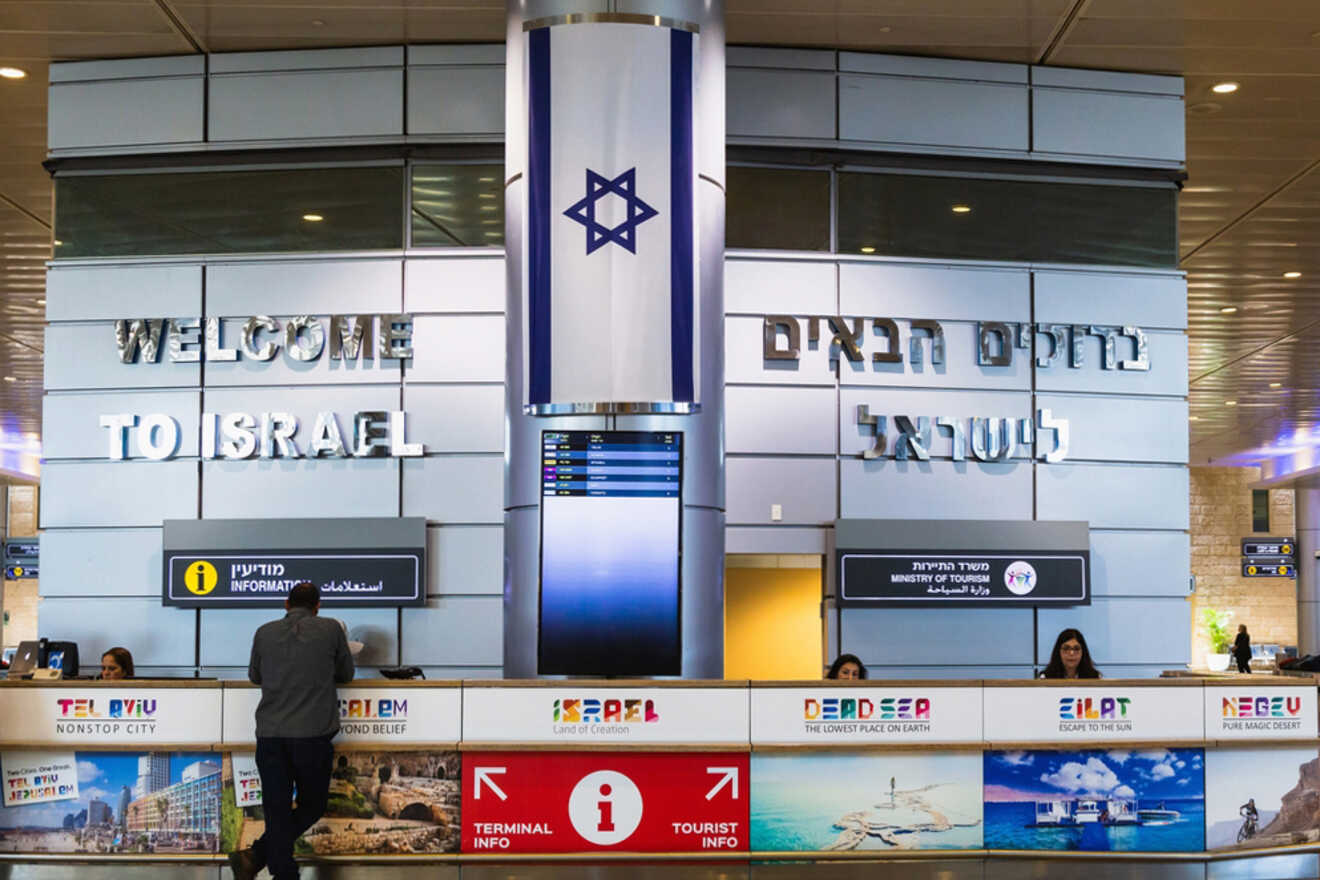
598, 234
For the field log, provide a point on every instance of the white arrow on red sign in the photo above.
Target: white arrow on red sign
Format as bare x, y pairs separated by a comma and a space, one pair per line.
730, 776
482, 776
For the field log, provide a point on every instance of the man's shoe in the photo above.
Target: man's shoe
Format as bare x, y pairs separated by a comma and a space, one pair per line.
245, 864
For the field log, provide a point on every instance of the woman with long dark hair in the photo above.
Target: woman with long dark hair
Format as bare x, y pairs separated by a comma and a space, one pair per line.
847, 667
1070, 657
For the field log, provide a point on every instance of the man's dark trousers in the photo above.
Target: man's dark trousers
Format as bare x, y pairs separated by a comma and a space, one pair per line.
283, 763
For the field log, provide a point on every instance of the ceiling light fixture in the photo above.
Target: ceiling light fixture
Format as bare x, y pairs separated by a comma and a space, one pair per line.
1228, 310
962, 209
1193, 418
1292, 274
12, 73
868, 250
1276, 384
1230, 403
1224, 88
41, 302
58, 242
313, 218
10, 379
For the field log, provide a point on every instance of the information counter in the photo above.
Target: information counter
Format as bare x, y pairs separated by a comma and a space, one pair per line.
503, 770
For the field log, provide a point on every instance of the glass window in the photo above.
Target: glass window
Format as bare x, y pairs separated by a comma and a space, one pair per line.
458, 206
989, 219
777, 209
225, 212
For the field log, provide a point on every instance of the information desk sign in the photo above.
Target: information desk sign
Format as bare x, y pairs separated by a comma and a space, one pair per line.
531, 802
1269, 547
383, 715
98, 716
866, 714
605, 715
1256, 568
1048, 713
1269, 712
964, 578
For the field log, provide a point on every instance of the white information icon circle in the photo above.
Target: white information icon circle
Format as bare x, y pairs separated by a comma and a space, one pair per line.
605, 807
1020, 577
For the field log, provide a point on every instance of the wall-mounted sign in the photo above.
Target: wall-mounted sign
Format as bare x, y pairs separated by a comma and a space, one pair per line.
865, 714
255, 563
992, 439
1280, 711
1044, 714
1269, 557
102, 716
304, 338
946, 562
38, 777
1269, 547
1254, 569
385, 715
21, 559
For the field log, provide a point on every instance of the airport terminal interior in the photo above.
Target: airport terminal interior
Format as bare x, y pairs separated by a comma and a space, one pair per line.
739, 439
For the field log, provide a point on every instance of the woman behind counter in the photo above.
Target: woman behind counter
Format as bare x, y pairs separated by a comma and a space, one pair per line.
116, 664
1070, 657
847, 667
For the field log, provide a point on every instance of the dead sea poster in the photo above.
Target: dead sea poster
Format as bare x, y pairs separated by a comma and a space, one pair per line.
1148, 800
865, 801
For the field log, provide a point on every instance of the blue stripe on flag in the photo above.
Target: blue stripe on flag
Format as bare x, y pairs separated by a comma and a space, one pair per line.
680, 249
538, 217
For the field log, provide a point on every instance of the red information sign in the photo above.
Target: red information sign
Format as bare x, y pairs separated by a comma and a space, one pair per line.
553, 802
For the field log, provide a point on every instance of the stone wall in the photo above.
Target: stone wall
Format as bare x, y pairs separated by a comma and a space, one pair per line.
1220, 519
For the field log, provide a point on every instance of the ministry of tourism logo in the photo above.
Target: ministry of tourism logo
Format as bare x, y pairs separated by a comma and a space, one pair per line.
836, 715
1247, 712
92, 715
1020, 577
591, 715
368, 716
1095, 714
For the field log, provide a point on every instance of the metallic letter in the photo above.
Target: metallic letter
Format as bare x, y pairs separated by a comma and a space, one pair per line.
936, 341
1058, 334
770, 348
993, 439
1142, 361
209, 420
237, 441
326, 438
118, 425
259, 322
984, 331
350, 335
878, 425
398, 432
138, 333
1026, 432
1108, 356
891, 355
215, 347
1045, 421
158, 448
370, 439
293, 339
395, 329
957, 436
847, 341
277, 430
916, 442
1078, 346
185, 331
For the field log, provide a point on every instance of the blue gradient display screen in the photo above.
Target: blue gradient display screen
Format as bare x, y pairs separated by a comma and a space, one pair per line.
610, 546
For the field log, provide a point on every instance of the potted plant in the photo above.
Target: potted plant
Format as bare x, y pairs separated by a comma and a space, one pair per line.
1215, 622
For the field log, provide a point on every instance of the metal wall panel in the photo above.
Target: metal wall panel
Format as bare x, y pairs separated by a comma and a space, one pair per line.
90, 293
926, 637
306, 59
465, 560
71, 426
940, 293
1115, 298
455, 489
454, 284
455, 418
935, 489
125, 112
117, 493
1114, 496
787, 287
933, 113
780, 104
304, 403
307, 104
780, 59
777, 539
457, 348
803, 487
226, 633
1122, 630
455, 631
1105, 428
84, 356
1107, 81
309, 287
456, 53
891, 402
458, 101
889, 672
938, 68
156, 635
101, 562
959, 370
285, 370
794, 421
1106, 124
1167, 374
300, 488
1126, 563
127, 68
744, 357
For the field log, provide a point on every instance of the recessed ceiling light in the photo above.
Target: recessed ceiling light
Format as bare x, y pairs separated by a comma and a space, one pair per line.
10, 379
1230, 403
58, 242
1292, 274
962, 209
868, 250
884, 29
1193, 418
316, 22
313, 218
41, 302
485, 195
12, 72
486, 179
1224, 88
1228, 310
1276, 384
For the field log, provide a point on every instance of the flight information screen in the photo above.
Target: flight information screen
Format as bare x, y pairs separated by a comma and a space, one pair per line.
611, 543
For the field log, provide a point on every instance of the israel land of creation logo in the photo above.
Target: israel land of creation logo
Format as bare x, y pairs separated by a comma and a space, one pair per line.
95, 715
575, 717
1020, 577
373, 717
848, 715
1261, 713
1095, 714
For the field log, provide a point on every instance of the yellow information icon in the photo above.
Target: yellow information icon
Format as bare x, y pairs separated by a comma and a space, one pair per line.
1283, 569
1286, 549
200, 578
1251, 569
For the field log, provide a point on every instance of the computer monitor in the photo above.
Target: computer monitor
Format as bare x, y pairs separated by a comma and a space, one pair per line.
26, 659
62, 656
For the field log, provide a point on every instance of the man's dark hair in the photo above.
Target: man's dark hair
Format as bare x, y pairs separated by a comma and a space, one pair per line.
304, 595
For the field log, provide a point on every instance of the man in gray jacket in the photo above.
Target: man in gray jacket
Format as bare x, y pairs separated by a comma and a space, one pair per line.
297, 660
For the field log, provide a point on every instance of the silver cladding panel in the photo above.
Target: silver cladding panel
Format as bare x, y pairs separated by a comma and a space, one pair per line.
305, 104
802, 487
935, 489
780, 103
455, 284
1111, 298
109, 293
455, 631
305, 533
1132, 563
1139, 429
117, 493
1130, 630
70, 421
456, 418
83, 356
74, 562
1125, 126
307, 287
299, 488
760, 287
797, 421
888, 402
454, 489
952, 636
1167, 374
126, 112
972, 115
953, 534
459, 348
941, 293
466, 101
465, 560
157, 635
1115, 496
222, 644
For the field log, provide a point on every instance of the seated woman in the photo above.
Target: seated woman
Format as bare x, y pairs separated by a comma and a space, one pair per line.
116, 664
847, 668
1070, 658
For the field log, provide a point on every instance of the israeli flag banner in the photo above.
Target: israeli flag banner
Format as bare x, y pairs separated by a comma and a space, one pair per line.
611, 267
